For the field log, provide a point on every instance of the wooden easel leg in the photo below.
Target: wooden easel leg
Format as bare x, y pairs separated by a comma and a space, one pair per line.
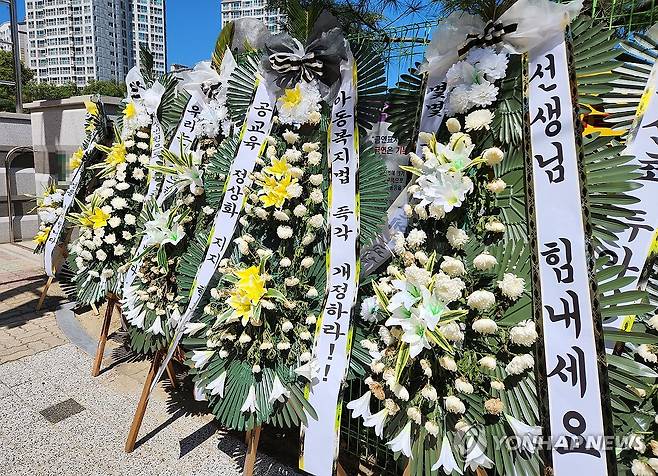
100, 350
407, 470
172, 374
481, 472
340, 471
95, 309
143, 402
44, 292
252, 446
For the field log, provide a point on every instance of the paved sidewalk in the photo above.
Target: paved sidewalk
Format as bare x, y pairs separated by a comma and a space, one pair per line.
175, 439
23, 330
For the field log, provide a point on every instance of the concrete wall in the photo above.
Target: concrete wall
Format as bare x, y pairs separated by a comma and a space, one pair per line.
54, 129
15, 131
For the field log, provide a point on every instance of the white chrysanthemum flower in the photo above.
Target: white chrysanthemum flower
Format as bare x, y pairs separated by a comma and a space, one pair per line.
493, 406
138, 174
496, 186
459, 100
316, 195
483, 94
130, 219
285, 262
316, 179
640, 468
488, 362
478, 120
416, 238
456, 237
453, 267
464, 386
299, 108
300, 210
448, 363
497, 385
454, 405
520, 364
448, 289
451, 331
493, 65
484, 262
290, 137
485, 326
101, 255
417, 276
493, 156
110, 238
442, 188
481, 300
281, 215
138, 197
307, 262
284, 232
316, 221
308, 239
511, 286
119, 203
494, 226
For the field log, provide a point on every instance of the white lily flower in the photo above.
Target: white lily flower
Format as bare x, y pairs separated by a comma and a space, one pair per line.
309, 370
250, 405
192, 328
406, 296
199, 394
201, 357
376, 421
361, 406
414, 335
216, 387
447, 459
526, 435
402, 442
477, 459
156, 328
279, 391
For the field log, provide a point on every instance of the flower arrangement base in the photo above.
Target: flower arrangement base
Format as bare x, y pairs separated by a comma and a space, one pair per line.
251, 439
144, 398
112, 302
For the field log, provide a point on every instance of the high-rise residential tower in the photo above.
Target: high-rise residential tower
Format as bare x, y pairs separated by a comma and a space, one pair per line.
5, 39
77, 41
234, 9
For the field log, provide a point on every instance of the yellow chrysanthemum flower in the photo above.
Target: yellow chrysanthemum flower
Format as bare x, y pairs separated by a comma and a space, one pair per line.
41, 236
94, 217
130, 111
92, 108
276, 191
279, 168
117, 154
76, 158
291, 97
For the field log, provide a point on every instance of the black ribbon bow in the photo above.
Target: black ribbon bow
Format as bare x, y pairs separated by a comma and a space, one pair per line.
493, 34
287, 61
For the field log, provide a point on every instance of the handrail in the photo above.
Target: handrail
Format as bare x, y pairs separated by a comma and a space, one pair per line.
8, 160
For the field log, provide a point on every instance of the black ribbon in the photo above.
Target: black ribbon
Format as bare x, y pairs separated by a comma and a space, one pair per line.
493, 34
287, 61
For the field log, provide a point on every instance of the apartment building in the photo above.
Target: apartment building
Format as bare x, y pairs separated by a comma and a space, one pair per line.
234, 9
77, 41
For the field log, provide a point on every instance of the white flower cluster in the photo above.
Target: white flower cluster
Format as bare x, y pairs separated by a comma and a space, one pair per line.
300, 105
471, 81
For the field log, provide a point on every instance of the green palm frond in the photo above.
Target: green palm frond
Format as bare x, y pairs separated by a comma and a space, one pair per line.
373, 191
218, 169
241, 86
223, 42
371, 84
300, 21
172, 105
405, 103
146, 65
639, 53
595, 53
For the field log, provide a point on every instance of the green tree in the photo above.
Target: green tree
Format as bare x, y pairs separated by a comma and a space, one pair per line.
38, 91
7, 93
105, 88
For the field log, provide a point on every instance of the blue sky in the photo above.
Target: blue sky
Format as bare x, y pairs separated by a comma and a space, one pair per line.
192, 28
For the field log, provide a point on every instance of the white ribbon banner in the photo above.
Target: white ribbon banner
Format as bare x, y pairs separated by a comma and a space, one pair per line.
69, 197
255, 130
572, 378
333, 336
431, 118
634, 244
